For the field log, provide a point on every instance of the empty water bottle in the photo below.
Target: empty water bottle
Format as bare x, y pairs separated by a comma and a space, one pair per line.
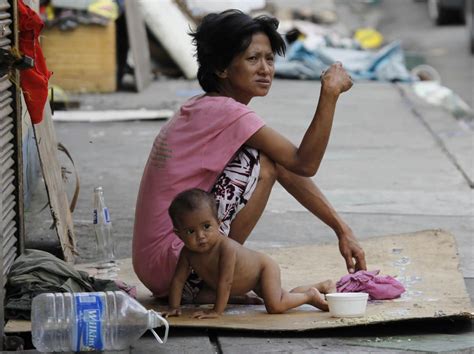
109, 320
103, 229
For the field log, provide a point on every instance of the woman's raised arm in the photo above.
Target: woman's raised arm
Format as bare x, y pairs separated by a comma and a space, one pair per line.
305, 159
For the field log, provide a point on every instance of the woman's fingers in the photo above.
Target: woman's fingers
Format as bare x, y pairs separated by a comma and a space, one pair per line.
336, 78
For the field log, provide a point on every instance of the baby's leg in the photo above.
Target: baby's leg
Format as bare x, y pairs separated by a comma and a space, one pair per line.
324, 287
278, 300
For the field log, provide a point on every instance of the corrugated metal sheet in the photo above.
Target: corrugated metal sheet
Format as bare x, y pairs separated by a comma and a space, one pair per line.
8, 174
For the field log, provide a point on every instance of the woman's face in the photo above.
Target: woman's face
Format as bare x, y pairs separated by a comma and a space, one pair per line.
250, 73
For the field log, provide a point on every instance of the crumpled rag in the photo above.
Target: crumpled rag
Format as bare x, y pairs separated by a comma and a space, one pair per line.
36, 272
379, 287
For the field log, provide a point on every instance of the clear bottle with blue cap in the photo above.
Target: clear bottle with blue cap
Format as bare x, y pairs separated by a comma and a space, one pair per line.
98, 321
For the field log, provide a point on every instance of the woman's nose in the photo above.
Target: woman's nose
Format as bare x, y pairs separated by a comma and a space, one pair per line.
264, 66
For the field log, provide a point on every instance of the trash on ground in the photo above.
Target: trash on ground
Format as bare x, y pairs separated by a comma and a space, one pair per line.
68, 15
369, 38
386, 64
430, 89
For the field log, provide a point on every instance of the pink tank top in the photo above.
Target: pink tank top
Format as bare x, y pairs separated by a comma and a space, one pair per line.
190, 151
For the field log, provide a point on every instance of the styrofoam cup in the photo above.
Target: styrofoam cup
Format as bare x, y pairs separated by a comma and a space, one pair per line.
347, 304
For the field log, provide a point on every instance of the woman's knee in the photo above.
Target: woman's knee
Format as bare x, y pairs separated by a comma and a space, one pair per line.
268, 169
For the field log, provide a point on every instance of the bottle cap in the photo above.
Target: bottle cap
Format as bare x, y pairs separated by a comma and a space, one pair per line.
97, 189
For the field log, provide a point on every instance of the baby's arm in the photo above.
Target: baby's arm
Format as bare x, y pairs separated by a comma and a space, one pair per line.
227, 259
177, 284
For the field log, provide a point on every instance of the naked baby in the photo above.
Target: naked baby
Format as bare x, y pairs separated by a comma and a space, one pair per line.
226, 266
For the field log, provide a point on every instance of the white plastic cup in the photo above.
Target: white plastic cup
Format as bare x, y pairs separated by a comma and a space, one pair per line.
347, 304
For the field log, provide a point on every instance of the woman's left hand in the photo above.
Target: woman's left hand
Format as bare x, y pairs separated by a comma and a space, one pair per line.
351, 250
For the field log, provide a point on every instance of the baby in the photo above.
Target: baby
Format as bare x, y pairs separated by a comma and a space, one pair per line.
225, 265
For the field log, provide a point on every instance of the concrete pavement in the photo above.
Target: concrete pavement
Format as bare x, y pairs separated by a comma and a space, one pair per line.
385, 171
394, 164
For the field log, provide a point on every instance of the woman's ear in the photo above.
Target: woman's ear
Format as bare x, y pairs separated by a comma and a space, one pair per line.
221, 74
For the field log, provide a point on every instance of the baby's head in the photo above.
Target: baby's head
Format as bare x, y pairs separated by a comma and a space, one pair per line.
194, 216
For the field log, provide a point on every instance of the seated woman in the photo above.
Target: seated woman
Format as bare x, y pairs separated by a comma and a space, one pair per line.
215, 142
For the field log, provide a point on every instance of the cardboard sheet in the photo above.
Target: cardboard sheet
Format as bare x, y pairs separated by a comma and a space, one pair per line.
426, 262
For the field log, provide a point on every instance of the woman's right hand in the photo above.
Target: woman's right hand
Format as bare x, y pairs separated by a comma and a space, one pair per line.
335, 79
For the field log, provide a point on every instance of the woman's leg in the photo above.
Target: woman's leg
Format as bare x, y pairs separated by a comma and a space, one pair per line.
247, 217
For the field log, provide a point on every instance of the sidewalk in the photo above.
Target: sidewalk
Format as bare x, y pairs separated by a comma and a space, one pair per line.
390, 168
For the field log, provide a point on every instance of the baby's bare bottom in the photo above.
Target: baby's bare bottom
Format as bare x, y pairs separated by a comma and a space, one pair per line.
278, 300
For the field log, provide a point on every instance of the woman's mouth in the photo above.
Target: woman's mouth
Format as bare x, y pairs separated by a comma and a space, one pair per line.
264, 82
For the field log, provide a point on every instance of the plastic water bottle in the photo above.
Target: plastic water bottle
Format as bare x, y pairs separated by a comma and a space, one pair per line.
103, 230
109, 320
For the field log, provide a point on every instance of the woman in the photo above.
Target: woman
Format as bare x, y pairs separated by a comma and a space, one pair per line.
216, 143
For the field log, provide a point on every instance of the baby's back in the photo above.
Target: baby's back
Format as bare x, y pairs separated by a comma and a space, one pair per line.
248, 268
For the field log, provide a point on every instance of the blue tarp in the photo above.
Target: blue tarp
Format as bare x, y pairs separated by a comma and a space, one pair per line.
387, 64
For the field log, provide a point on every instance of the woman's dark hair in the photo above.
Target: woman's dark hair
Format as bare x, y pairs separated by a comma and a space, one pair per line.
189, 200
222, 36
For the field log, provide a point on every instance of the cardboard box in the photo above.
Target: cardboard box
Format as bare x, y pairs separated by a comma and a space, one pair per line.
82, 60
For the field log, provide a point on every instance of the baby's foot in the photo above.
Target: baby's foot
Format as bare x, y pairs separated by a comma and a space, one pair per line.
317, 299
326, 287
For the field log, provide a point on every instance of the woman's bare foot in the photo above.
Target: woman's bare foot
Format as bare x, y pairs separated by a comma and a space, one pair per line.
317, 299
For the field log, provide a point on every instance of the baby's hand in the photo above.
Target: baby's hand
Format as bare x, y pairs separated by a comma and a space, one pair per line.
205, 314
171, 313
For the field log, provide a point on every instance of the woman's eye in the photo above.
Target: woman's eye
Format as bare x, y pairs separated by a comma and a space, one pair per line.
207, 226
252, 58
189, 232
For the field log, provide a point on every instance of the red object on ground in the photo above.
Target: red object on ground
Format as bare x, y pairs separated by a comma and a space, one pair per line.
34, 81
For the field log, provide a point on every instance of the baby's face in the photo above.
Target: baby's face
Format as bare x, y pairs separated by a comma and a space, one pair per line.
199, 229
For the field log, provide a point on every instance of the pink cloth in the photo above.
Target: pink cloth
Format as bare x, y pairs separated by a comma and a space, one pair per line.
377, 286
190, 151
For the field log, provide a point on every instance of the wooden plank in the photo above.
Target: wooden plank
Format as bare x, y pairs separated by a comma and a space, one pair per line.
82, 60
58, 201
138, 45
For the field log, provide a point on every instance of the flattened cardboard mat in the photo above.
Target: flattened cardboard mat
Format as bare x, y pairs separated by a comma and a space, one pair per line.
426, 262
